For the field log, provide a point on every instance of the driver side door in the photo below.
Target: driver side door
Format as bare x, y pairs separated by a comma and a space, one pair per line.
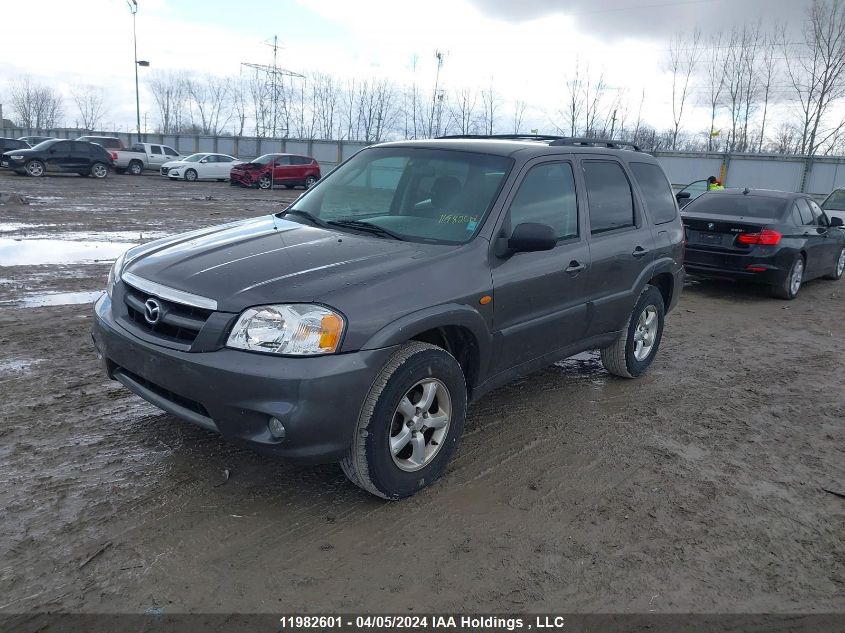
540, 297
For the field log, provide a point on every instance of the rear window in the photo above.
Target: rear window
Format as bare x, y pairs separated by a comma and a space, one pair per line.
740, 205
656, 191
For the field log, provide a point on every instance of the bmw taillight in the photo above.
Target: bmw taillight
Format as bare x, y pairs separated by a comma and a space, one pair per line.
765, 237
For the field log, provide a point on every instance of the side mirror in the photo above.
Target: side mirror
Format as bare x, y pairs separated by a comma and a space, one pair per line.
204, 160
835, 221
682, 195
530, 237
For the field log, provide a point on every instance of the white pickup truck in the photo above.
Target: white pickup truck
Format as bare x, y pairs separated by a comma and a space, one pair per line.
143, 156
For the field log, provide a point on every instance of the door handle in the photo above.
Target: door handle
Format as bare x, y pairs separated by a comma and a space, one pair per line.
575, 267
639, 251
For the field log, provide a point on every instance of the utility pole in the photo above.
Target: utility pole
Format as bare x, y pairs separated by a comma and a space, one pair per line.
436, 101
133, 8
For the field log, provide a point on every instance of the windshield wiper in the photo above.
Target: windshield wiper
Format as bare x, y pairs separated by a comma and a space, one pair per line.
367, 227
304, 214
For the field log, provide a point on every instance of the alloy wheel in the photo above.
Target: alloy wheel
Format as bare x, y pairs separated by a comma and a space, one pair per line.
645, 332
420, 424
796, 277
840, 264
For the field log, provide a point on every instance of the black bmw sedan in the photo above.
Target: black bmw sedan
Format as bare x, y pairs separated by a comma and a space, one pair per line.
776, 238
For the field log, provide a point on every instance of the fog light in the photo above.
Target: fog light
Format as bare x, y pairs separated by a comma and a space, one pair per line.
277, 429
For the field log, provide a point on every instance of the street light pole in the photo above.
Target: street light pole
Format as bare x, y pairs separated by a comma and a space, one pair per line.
133, 7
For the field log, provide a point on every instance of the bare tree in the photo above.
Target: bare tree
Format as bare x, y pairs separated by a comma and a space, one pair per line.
463, 116
768, 73
35, 105
325, 91
715, 71
574, 106
90, 102
518, 115
209, 102
169, 93
491, 103
816, 72
684, 55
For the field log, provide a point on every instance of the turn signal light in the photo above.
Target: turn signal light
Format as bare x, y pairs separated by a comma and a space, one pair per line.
331, 327
766, 237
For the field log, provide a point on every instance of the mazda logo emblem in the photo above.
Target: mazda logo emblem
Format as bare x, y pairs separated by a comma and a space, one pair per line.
710, 226
152, 311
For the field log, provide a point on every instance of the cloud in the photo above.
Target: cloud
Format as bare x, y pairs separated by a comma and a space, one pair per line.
653, 19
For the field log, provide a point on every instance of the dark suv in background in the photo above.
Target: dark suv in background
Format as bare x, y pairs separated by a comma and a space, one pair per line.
83, 158
356, 325
7, 144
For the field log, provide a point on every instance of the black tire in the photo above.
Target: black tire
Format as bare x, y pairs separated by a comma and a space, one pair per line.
265, 182
136, 168
191, 175
620, 358
310, 182
99, 170
370, 463
35, 168
785, 289
838, 266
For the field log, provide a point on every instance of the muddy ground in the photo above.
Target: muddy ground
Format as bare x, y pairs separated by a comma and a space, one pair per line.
699, 487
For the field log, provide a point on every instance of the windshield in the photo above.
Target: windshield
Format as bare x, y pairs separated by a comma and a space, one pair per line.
836, 200
263, 160
749, 206
45, 144
193, 158
425, 195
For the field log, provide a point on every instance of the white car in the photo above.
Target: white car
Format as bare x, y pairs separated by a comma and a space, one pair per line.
203, 166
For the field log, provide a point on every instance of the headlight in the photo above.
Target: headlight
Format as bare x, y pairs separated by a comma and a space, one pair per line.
114, 274
295, 329
16, 157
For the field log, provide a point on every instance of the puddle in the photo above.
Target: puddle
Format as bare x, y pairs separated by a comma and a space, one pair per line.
105, 236
9, 227
56, 299
35, 252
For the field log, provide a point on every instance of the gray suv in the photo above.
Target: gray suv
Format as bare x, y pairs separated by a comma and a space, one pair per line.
356, 325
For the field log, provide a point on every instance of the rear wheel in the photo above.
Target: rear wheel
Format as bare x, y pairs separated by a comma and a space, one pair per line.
631, 354
136, 167
191, 175
35, 168
410, 423
310, 181
791, 283
264, 182
838, 266
99, 170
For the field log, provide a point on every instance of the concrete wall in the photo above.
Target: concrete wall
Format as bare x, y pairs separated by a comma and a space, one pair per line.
761, 171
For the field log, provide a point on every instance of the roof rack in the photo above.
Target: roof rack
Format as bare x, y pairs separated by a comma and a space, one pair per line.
551, 139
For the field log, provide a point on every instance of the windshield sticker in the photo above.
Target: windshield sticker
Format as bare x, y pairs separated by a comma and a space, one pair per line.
448, 218
471, 226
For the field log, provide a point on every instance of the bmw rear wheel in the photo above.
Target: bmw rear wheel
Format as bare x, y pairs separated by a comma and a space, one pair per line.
791, 283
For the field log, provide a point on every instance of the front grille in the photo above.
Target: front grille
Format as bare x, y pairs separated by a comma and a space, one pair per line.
186, 403
178, 323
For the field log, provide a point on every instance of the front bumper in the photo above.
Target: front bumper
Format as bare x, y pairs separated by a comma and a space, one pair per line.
232, 392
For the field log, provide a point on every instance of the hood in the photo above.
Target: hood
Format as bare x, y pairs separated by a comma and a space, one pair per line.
272, 260
174, 163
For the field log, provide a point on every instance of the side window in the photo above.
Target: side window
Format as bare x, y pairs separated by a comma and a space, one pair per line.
211, 158
796, 215
224, 159
300, 160
818, 214
169, 151
609, 193
547, 195
283, 161
61, 146
807, 218
156, 149
656, 192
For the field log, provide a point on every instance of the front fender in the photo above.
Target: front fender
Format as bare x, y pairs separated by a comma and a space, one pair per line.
450, 314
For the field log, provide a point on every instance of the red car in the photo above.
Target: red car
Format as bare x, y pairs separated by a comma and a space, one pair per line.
288, 170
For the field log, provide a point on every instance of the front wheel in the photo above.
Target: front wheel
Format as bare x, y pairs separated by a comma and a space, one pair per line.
310, 182
191, 175
264, 182
631, 354
35, 168
838, 267
99, 170
790, 285
410, 423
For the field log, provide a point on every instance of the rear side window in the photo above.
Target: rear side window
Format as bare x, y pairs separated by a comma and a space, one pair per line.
610, 196
300, 160
656, 191
547, 196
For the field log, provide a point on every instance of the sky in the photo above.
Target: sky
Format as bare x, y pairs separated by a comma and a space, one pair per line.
524, 48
